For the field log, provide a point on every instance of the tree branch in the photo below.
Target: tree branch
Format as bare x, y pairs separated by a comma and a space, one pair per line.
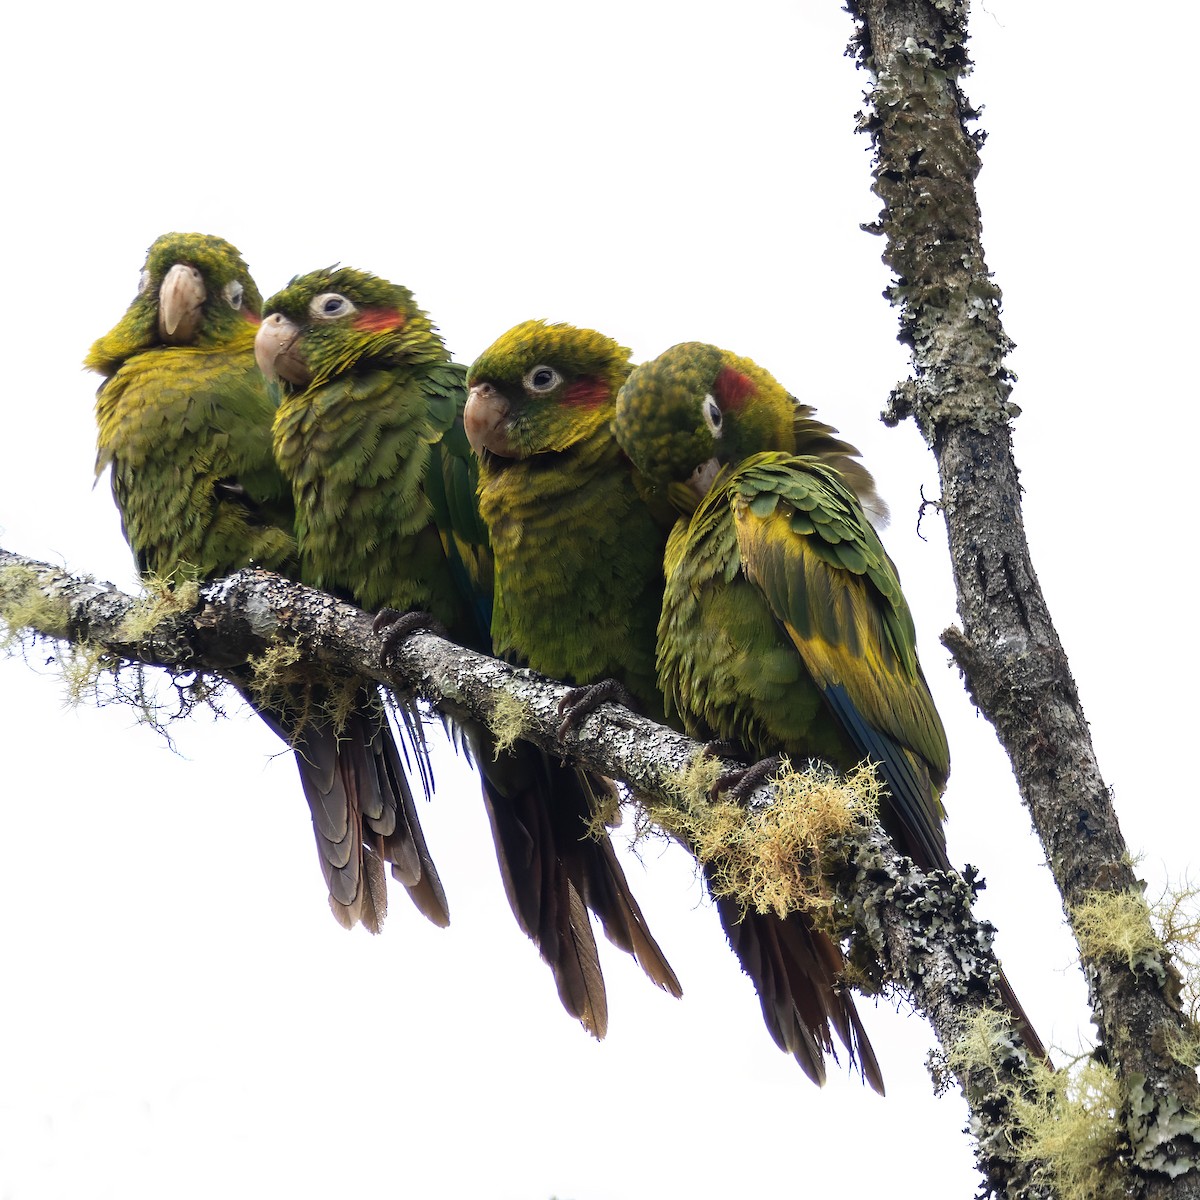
1014, 665
920, 929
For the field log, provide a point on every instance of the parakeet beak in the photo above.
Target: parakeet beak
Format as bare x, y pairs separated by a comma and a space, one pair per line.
487, 422
277, 351
702, 478
180, 304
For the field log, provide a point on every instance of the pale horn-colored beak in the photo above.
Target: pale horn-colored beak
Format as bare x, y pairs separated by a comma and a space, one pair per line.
181, 305
486, 420
277, 351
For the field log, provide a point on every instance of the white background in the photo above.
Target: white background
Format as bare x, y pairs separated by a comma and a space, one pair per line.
179, 1014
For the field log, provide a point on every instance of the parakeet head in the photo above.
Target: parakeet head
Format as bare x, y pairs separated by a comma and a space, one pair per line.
195, 290
329, 322
694, 409
541, 388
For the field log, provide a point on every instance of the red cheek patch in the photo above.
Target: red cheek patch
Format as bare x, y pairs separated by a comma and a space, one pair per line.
732, 388
252, 317
379, 320
586, 392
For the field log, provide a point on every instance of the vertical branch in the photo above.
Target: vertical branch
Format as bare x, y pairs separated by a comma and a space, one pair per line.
926, 161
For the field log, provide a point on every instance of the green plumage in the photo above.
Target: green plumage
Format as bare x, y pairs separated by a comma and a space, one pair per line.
783, 623
357, 445
186, 428
579, 539
370, 435
578, 552
185, 421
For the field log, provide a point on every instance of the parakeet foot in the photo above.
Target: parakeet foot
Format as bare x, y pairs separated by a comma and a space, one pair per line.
725, 748
579, 703
395, 626
737, 785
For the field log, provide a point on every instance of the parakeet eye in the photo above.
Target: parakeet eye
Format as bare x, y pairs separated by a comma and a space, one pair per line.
328, 306
234, 293
542, 379
143, 280
712, 415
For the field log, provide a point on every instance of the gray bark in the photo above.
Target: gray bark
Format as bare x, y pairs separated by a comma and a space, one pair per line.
926, 160
918, 929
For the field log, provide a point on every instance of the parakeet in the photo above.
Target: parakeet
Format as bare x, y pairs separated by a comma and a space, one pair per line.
369, 433
185, 422
783, 626
578, 543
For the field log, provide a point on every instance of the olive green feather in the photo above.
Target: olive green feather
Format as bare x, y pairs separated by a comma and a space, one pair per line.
186, 428
370, 434
783, 624
184, 422
579, 538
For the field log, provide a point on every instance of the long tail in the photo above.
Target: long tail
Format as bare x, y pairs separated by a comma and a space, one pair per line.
356, 781
558, 869
906, 776
796, 970
364, 815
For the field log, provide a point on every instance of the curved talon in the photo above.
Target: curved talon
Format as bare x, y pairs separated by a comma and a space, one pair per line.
725, 748
739, 784
579, 703
395, 626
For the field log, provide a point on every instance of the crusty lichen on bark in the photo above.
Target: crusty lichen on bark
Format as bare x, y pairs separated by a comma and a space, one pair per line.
926, 160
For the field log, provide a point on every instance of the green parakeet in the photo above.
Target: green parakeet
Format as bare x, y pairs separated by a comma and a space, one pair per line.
185, 422
370, 435
579, 583
783, 625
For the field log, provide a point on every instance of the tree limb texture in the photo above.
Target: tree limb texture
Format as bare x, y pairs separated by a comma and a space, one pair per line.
918, 928
926, 160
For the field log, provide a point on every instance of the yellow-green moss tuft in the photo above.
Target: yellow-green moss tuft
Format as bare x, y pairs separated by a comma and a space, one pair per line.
282, 681
604, 806
506, 721
1176, 915
85, 666
1115, 925
25, 607
1066, 1122
274, 671
983, 1043
277, 683
342, 699
1073, 1128
770, 859
160, 600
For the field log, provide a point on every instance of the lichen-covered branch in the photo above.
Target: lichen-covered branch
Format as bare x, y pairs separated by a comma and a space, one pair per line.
917, 931
1016, 670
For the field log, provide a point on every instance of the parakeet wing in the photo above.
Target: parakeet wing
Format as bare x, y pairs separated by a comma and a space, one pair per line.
804, 541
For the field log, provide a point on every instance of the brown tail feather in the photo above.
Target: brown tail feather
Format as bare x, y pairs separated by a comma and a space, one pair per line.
1029, 1035
796, 971
363, 811
577, 972
608, 896
555, 870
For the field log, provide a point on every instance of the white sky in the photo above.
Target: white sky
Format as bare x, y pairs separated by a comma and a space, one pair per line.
181, 1016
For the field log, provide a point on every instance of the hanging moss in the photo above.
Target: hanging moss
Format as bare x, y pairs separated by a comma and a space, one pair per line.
773, 859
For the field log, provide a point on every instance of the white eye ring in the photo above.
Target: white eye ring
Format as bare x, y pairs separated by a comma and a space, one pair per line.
711, 411
541, 379
143, 280
234, 292
329, 306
